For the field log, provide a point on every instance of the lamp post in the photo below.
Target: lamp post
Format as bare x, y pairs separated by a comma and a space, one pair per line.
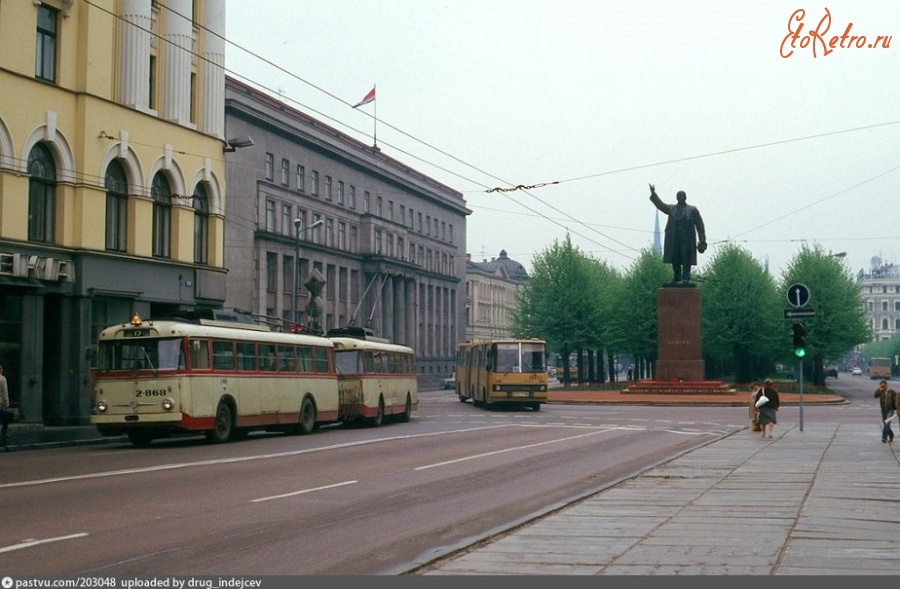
296, 291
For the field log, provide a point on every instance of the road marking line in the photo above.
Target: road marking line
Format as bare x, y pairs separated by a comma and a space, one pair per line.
303, 491
31, 543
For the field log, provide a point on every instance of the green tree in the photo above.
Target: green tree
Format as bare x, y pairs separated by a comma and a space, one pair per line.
634, 327
740, 315
840, 322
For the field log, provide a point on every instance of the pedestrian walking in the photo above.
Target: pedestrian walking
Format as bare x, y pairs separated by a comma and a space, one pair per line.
752, 410
5, 413
768, 411
887, 398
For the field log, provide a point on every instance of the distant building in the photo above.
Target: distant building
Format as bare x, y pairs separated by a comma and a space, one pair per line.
880, 289
491, 291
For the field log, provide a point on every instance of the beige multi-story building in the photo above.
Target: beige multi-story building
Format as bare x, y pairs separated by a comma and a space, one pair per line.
384, 241
112, 183
491, 291
880, 290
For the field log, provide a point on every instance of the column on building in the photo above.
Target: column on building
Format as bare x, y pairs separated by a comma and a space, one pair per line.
211, 119
388, 307
134, 54
175, 49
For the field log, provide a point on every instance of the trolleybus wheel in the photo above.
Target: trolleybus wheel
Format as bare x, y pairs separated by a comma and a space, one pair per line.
307, 417
223, 425
140, 439
378, 418
407, 411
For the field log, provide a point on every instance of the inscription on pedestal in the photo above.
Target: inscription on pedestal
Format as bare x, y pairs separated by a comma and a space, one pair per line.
680, 352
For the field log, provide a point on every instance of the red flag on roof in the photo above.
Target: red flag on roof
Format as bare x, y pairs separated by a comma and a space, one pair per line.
369, 98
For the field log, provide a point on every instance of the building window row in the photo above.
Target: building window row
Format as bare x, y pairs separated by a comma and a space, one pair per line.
345, 195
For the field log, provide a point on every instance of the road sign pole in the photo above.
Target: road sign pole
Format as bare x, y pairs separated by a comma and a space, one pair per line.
801, 395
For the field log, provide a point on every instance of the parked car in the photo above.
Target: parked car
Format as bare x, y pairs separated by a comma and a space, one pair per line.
857, 371
831, 370
449, 382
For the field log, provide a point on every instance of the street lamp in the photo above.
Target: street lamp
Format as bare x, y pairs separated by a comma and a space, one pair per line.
296, 291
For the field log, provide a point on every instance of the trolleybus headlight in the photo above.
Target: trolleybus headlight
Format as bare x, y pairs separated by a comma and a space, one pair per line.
168, 403
102, 407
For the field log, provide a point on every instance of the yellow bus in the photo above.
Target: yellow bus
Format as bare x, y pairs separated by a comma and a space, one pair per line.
880, 368
500, 372
376, 378
158, 378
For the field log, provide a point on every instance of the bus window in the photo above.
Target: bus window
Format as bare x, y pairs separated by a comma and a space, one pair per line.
304, 358
199, 350
223, 355
348, 362
508, 358
369, 362
171, 356
266, 357
246, 356
321, 356
286, 360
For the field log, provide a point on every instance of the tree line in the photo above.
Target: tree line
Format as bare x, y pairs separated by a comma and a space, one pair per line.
602, 318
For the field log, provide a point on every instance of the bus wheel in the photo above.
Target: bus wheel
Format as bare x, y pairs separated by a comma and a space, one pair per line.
140, 439
307, 417
223, 426
407, 411
535, 406
378, 419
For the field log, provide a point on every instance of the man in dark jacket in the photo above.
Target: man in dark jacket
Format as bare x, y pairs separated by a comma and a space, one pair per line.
683, 229
887, 398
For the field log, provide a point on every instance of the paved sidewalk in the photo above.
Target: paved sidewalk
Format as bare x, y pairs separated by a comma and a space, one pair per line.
823, 501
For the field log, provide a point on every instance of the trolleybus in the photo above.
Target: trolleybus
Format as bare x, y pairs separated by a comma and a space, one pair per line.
511, 372
880, 368
157, 378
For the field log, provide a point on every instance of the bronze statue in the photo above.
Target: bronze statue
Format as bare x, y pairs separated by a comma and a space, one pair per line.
683, 229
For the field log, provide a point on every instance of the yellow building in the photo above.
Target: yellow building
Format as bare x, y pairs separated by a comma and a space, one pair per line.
111, 181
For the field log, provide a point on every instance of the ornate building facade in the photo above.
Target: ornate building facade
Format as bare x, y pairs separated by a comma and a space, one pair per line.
384, 242
880, 290
491, 291
112, 193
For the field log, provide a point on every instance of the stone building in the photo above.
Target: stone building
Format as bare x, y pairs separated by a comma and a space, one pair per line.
307, 200
880, 290
491, 290
111, 182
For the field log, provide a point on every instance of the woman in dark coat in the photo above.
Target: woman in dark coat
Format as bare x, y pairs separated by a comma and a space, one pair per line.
768, 412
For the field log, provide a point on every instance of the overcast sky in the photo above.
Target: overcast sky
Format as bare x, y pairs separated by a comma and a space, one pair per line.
589, 101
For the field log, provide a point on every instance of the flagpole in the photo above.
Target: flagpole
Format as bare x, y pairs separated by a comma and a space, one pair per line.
375, 119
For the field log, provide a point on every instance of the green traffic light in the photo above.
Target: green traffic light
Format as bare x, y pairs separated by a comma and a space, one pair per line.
800, 352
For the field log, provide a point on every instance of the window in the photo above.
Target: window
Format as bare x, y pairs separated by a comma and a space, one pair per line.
315, 231
287, 220
270, 166
451, 233
162, 216
366, 198
301, 216
435, 227
329, 232
45, 58
314, 189
327, 187
271, 272
353, 197
270, 216
41, 194
301, 178
354, 238
377, 244
378, 206
896, 305
116, 206
427, 224
443, 230
884, 306
201, 225
223, 355
390, 210
410, 218
420, 222
285, 172
342, 235
340, 195
246, 355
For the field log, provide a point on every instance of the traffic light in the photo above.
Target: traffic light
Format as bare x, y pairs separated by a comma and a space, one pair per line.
799, 340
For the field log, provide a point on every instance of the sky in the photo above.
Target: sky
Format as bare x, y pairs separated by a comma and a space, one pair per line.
778, 136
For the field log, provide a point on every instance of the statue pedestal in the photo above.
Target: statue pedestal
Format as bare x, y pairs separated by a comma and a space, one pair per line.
680, 356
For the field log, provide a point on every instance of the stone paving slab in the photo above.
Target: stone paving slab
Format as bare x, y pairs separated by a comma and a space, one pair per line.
823, 501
